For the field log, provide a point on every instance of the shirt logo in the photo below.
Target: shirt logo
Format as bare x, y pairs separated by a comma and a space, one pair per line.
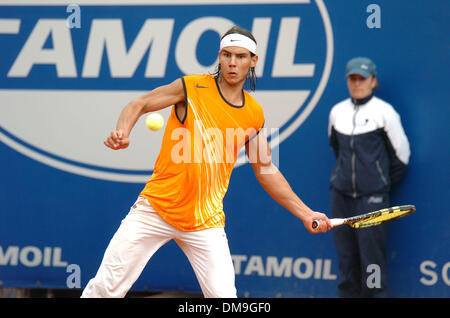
375, 199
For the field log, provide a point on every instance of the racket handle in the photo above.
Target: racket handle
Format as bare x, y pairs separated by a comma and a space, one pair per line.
334, 222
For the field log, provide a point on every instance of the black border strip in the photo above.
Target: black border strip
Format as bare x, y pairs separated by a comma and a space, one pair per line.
255, 134
220, 92
185, 103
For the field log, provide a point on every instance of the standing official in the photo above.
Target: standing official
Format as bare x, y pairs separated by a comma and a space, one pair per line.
372, 152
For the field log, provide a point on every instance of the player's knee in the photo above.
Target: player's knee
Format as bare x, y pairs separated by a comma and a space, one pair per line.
220, 292
220, 286
101, 288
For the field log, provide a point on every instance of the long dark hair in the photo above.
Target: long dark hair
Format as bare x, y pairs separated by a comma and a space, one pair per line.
251, 76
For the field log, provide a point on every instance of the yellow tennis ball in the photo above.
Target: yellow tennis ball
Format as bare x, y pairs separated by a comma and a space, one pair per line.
154, 121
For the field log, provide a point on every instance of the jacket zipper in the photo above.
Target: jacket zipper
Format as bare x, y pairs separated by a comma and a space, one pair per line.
380, 171
352, 147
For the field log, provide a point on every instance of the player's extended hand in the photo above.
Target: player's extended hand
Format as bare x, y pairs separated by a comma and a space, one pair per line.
322, 219
117, 140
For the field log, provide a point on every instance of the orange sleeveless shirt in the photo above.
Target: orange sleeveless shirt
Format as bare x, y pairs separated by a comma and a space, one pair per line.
198, 153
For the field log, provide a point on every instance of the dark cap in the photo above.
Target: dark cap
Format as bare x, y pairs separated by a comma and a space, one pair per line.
362, 66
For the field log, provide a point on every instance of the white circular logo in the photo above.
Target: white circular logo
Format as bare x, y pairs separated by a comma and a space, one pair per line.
65, 127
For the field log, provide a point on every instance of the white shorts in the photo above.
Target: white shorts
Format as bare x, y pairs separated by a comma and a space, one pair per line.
141, 233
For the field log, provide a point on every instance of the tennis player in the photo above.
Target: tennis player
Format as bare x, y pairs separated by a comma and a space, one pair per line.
183, 198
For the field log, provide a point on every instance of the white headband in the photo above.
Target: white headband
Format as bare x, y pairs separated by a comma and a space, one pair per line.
235, 39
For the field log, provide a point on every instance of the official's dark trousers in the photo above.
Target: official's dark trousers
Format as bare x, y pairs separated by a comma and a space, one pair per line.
361, 252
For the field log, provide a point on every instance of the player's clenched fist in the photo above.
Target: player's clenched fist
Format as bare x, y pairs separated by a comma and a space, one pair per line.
322, 220
117, 140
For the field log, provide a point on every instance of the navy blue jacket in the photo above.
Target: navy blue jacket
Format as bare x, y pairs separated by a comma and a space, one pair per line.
370, 145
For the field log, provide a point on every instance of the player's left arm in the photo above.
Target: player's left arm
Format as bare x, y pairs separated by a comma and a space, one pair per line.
274, 183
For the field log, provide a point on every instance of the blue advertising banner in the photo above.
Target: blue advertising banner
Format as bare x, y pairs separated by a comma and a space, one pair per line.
67, 70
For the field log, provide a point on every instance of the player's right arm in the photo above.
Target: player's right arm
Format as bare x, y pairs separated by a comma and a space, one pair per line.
154, 100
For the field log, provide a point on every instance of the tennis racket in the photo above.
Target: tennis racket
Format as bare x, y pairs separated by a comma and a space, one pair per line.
372, 218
